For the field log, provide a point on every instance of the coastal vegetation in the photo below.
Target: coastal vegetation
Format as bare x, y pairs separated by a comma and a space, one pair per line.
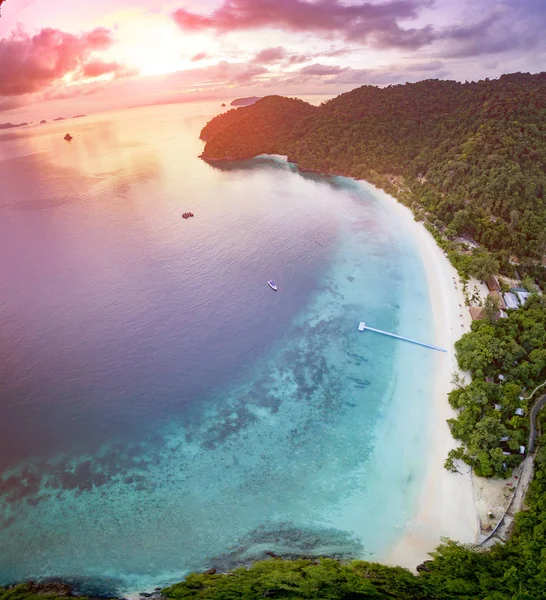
468, 158
507, 360
260, 128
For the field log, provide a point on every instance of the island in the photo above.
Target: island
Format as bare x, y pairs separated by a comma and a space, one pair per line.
60, 119
245, 101
12, 125
43, 121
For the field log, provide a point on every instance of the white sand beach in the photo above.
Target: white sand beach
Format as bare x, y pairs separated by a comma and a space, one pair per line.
446, 507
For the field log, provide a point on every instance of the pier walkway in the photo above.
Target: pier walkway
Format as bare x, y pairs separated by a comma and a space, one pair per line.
363, 326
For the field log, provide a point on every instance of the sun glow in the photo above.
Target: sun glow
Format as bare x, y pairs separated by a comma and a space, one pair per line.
154, 46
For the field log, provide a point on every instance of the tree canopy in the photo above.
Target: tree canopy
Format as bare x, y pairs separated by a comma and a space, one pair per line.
471, 155
507, 359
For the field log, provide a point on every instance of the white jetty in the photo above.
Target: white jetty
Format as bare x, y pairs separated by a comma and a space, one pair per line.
363, 326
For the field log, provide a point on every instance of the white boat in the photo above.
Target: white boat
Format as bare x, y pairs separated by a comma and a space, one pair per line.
272, 285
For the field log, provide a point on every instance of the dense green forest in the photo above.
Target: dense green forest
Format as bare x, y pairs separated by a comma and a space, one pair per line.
470, 156
507, 360
245, 132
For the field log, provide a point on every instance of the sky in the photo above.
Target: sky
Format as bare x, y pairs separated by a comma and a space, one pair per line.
59, 57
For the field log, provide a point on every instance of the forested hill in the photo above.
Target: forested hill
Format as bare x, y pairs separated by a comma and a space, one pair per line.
261, 128
471, 155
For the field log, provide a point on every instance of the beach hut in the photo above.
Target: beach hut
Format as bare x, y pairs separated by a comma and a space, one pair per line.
511, 301
477, 313
520, 412
492, 283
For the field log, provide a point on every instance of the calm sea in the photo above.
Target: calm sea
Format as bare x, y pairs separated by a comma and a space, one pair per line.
161, 409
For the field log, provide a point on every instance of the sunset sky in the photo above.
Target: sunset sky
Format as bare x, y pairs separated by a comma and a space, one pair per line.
59, 57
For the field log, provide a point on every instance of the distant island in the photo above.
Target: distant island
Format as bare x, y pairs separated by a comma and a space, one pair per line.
78, 116
11, 125
43, 121
60, 119
245, 101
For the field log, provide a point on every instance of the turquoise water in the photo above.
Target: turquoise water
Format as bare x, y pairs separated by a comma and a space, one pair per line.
161, 409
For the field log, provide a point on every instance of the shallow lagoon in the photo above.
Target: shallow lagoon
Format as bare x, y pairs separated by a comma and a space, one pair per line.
161, 409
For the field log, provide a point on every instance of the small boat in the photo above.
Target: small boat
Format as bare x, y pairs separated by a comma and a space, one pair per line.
272, 285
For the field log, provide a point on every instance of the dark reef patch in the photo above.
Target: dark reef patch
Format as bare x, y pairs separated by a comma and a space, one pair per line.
288, 541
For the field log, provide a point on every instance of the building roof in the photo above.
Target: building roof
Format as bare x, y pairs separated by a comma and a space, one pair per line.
492, 283
477, 313
511, 300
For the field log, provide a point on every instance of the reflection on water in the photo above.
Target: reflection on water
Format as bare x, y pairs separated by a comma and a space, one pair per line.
161, 409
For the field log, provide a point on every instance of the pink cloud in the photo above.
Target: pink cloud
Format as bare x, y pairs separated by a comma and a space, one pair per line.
270, 55
361, 22
248, 75
96, 68
279, 54
296, 59
73, 91
199, 56
9, 103
32, 63
222, 73
321, 70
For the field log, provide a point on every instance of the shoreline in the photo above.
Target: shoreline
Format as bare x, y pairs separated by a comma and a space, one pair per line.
449, 505
446, 505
